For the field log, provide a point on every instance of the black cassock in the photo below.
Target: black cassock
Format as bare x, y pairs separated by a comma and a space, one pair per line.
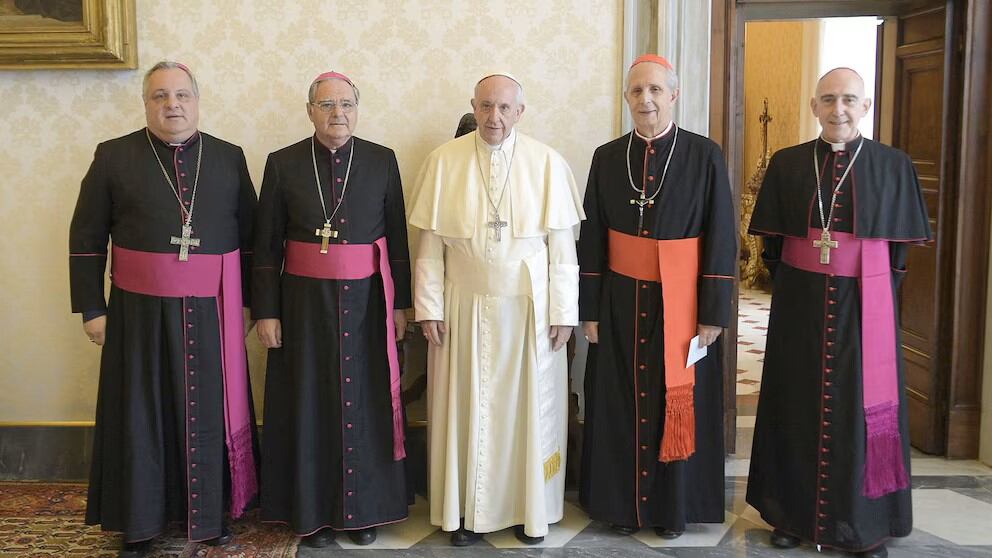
623, 482
147, 448
808, 457
317, 470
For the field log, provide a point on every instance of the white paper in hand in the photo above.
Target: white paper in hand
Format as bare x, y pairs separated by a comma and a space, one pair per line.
695, 352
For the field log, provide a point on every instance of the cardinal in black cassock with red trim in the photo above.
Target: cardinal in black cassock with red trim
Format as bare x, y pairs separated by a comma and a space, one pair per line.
656, 261
830, 460
174, 424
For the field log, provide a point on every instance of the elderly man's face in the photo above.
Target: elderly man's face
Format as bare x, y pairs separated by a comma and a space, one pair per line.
649, 98
334, 112
172, 110
497, 108
840, 104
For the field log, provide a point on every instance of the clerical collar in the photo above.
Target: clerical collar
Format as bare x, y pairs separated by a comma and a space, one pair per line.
175, 145
841, 145
671, 124
507, 144
343, 149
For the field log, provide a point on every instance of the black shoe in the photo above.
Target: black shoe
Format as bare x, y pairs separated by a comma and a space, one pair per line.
319, 539
877, 552
667, 534
135, 549
224, 538
780, 539
624, 530
362, 537
518, 531
464, 537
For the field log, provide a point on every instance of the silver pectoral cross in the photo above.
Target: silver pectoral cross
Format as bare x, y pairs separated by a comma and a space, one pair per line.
184, 242
825, 245
640, 203
497, 225
325, 235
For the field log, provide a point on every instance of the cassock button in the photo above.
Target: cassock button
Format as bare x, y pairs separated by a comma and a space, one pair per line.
644, 314
830, 330
349, 450
826, 423
838, 205
344, 242
338, 180
343, 220
192, 479
831, 289
645, 232
821, 515
350, 471
644, 286
192, 372
339, 160
193, 465
644, 394
828, 384
836, 219
840, 166
347, 288
349, 493
643, 420
651, 151
644, 472
644, 498
194, 526
650, 179
643, 367
349, 425
643, 340
192, 419
195, 511
349, 516
180, 161
346, 334
195, 496
347, 403
830, 316
182, 174
836, 179
347, 380
346, 311
644, 447
192, 450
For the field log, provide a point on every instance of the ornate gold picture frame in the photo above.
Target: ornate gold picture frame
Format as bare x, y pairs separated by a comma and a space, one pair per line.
68, 34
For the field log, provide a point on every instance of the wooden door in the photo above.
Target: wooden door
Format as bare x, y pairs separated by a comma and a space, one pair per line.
913, 66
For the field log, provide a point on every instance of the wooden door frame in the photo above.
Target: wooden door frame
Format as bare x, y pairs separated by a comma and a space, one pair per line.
963, 265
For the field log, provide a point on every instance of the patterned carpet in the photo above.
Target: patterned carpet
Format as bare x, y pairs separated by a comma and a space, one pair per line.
46, 520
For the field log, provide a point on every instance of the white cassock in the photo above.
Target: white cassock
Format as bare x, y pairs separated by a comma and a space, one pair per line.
497, 394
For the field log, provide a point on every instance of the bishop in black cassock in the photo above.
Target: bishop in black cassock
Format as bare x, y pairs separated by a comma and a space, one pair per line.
830, 460
656, 256
331, 280
164, 447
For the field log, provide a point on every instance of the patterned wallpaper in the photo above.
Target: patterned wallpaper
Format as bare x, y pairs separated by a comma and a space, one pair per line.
415, 62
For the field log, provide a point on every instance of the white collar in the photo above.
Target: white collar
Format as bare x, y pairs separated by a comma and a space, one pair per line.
507, 144
667, 129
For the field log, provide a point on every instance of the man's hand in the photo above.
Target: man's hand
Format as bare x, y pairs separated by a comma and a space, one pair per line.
559, 336
399, 318
591, 331
434, 331
708, 334
96, 329
269, 332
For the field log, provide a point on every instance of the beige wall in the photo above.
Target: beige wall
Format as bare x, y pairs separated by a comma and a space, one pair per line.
773, 68
415, 62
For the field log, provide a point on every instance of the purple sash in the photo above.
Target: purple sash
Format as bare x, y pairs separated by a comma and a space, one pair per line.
357, 261
868, 260
206, 275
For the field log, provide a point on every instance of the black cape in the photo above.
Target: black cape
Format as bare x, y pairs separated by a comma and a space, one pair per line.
807, 461
317, 471
142, 461
623, 482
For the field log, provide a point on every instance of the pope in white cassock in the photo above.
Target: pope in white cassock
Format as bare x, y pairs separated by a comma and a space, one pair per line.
496, 292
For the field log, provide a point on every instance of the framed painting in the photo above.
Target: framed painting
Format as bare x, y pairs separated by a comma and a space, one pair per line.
67, 34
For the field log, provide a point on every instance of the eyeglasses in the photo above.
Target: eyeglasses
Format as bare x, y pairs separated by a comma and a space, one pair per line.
328, 106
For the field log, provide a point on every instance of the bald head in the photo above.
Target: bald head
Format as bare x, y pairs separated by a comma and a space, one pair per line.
840, 104
497, 104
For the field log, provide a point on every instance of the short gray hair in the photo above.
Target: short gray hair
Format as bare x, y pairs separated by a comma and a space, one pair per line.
168, 65
312, 94
671, 78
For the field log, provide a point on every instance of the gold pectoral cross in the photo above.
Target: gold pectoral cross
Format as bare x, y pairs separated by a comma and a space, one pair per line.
825, 245
325, 235
184, 242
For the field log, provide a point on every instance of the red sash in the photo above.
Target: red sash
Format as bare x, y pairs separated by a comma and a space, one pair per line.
674, 264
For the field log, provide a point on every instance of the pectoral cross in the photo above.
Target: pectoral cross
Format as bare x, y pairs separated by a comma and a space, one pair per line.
184, 242
825, 245
325, 235
640, 209
497, 226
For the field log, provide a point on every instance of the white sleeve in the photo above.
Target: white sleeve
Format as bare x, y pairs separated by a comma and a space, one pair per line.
428, 297
563, 278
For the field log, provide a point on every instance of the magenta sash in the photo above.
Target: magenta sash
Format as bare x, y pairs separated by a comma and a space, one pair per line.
351, 262
868, 260
206, 275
